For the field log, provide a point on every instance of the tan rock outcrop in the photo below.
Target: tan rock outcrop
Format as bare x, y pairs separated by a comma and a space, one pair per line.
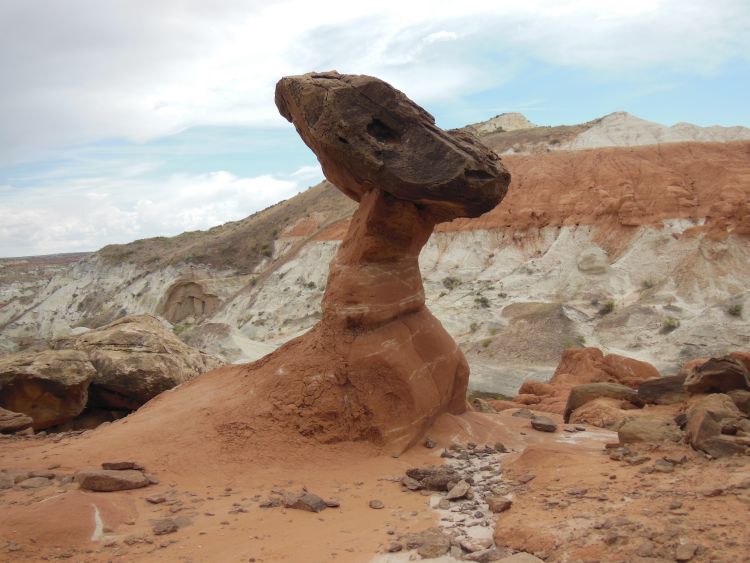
50, 386
135, 359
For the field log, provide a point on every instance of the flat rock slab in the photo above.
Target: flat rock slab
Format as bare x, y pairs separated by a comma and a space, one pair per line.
107, 480
306, 501
14, 421
543, 424
121, 465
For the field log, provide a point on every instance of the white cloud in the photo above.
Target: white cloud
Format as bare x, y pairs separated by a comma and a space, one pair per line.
73, 217
83, 70
441, 36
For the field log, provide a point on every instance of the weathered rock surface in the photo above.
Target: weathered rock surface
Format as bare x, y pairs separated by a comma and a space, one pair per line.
603, 412
581, 366
135, 359
705, 419
378, 366
106, 480
582, 394
649, 428
543, 424
14, 421
663, 391
718, 375
51, 386
305, 501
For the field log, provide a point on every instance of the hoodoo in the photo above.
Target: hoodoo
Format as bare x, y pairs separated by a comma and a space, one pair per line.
379, 365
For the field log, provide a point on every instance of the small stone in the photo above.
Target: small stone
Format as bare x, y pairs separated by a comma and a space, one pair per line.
528, 477
685, 552
498, 504
104, 480
305, 501
332, 503
156, 499
543, 424
165, 526
120, 465
411, 484
376, 504
458, 491
663, 466
500, 447
429, 443
395, 548
34, 483
444, 504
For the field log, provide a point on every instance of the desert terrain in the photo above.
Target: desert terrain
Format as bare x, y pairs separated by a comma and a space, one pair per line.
437, 353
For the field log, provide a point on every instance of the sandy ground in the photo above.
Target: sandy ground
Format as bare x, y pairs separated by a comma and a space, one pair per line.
579, 505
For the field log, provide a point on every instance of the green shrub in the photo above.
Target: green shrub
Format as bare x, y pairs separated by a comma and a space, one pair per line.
647, 284
735, 310
473, 327
669, 325
581, 340
607, 307
450, 283
482, 301
486, 342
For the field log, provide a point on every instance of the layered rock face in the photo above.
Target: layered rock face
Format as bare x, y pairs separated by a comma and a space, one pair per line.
120, 366
379, 366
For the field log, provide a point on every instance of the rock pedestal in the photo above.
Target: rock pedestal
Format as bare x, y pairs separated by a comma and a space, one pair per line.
379, 365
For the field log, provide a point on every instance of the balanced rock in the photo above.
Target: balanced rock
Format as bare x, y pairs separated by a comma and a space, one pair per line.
13, 421
106, 480
50, 387
378, 366
718, 375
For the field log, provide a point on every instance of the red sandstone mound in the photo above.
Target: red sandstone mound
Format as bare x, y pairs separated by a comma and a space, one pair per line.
577, 367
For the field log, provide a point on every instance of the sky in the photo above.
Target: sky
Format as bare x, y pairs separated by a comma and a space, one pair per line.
128, 119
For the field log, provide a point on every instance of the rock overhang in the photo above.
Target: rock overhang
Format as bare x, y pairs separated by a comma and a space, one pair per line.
367, 134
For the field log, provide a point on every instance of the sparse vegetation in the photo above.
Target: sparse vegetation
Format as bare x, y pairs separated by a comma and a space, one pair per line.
473, 327
179, 328
486, 342
450, 283
735, 310
581, 340
607, 307
669, 324
310, 285
482, 301
647, 284
502, 295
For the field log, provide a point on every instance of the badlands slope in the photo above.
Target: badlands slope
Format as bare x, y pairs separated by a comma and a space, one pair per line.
656, 232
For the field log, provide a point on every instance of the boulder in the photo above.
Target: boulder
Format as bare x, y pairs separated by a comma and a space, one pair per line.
706, 417
590, 365
14, 421
663, 391
741, 399
649, 428
582, 394
106, 480
136, 358
430, 543
718, 375
50, 387
603, 413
